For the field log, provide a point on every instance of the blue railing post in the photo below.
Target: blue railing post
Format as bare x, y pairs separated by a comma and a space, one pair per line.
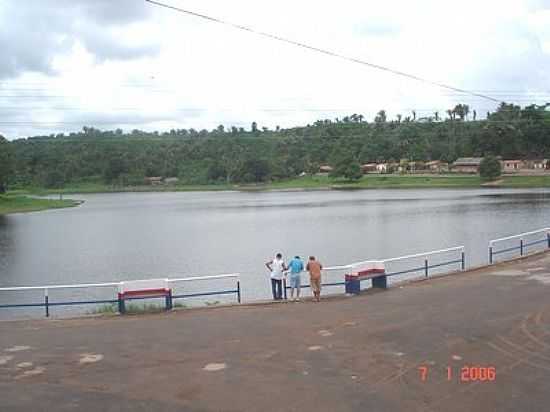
490, 255
548, 239
521, 247
426, 267
47, 302
169, 304
463, 256
239, 291
121, 305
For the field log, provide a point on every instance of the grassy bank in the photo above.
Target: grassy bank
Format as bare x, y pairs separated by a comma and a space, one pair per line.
18, 204
315, 183
408, 181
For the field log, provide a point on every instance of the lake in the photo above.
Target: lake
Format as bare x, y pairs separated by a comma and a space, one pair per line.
146, 235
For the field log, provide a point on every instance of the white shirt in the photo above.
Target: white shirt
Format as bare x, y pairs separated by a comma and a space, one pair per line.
277, 269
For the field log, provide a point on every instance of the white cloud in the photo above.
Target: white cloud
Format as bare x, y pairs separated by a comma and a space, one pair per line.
168, 70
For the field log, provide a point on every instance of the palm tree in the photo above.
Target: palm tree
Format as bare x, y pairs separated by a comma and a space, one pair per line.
465, 111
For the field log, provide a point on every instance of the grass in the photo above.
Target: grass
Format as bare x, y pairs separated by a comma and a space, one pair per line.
374, 181
526, 181
408, 181
378, 182
104, 188
14, 203
134, 308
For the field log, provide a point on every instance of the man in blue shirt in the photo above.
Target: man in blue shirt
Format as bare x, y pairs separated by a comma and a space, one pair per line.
295, 266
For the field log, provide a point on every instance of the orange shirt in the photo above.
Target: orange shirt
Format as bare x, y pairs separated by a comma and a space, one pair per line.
314, 267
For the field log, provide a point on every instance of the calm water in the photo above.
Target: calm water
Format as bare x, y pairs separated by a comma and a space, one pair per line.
143, 235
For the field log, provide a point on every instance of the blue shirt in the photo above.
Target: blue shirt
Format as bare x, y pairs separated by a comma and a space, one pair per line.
295, 266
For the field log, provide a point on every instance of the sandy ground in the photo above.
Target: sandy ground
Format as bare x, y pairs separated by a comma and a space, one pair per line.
365, 353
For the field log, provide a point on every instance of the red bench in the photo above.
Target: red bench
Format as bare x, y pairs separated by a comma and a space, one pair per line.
374, 270
143, 289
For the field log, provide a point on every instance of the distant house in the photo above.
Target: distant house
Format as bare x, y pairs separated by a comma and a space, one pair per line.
467, 165
171, 180
392, 167
382, 168
325, 169
535, 164
415, 166
153, 181
511, 166
437, 166
369, 168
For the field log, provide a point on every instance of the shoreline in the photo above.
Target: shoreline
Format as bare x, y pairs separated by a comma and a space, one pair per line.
14, 204
313, 183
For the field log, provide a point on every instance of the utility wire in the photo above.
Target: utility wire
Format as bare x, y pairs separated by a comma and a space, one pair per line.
319, 50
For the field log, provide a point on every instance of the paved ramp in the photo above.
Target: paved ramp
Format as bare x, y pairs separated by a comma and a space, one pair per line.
382, 351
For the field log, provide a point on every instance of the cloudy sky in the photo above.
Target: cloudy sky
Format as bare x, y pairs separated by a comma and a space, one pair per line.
65, 64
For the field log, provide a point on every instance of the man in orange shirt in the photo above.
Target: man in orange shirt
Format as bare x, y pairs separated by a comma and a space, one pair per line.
314, 268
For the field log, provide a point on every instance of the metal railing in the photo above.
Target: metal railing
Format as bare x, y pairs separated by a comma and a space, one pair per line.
426, 261
47, 303
425, 268
326, 284
521, 243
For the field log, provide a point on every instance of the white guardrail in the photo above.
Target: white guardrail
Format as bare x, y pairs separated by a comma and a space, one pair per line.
521, 246
424, 255
120, 287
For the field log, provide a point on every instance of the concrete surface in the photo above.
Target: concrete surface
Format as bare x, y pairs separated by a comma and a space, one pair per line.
347, 354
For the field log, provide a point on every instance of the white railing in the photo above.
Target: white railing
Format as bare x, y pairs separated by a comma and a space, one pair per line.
396, 259
521, 246
120, 286
425, 267
425, 254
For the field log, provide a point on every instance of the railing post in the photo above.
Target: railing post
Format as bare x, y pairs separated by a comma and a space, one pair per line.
239, 291
463, 256
121, 305
548, 239
426, 267
169, 305
521, 247
491, 255
47, 302
284, 288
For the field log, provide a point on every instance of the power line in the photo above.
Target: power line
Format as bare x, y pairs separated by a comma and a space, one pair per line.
319, 50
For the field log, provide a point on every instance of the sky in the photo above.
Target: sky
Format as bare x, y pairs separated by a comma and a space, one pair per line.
128, 64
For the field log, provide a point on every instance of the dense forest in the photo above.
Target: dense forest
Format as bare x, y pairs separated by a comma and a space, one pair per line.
258, 155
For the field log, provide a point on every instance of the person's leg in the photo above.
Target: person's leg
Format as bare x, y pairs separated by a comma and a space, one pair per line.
273, 290
315, 287
280, 289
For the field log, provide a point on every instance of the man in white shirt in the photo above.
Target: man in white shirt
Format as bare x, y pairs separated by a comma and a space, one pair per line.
277, 268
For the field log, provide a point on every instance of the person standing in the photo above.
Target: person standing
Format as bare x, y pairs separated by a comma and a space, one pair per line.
314, 268
277, 268
296, 266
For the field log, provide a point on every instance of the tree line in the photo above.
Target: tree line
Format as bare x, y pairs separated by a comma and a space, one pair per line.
260, 155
